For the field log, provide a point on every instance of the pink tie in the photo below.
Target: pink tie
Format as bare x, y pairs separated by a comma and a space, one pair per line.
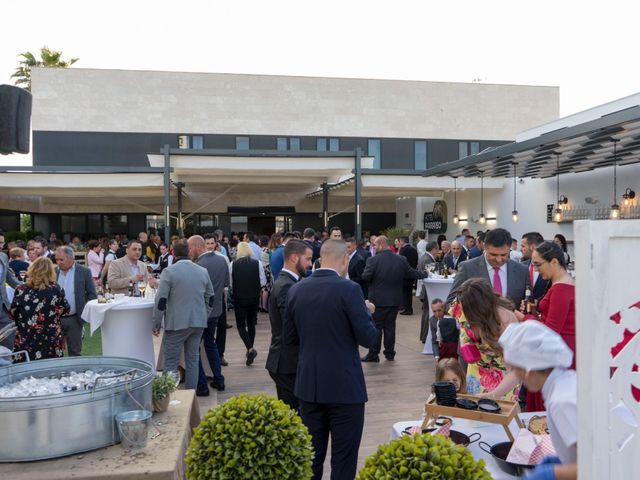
497, 284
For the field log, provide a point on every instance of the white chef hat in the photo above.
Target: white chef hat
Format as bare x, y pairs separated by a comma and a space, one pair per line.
531, 345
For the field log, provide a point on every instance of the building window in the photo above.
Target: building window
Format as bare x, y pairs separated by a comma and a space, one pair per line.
197, 142
242, 143
463, 149
115, 224
321, 144
155, 221
373, 150
281, 144
420, 155
75, 224
474, 147
207, 221
334, 144
183, 141
294, 144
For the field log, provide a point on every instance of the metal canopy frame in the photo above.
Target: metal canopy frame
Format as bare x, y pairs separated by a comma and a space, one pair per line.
581, 147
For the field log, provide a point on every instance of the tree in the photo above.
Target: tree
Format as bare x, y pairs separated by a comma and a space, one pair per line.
48, 58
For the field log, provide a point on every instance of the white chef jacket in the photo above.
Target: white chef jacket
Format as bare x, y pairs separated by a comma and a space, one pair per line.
560, 398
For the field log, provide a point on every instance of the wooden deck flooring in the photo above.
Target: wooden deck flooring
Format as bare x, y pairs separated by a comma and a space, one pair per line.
397, 390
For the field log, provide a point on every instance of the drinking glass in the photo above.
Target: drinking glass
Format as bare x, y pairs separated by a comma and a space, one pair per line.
142, 285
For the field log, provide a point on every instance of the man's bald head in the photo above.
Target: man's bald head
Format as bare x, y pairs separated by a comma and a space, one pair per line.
196, 246
382, 243
333, 254
456, 248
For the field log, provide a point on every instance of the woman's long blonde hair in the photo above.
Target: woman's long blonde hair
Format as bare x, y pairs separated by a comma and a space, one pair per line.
41, 274
480, 307
244, 250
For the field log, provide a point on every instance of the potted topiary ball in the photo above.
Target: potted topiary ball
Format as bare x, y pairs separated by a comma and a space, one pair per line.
425, 457
161, 387
250, 437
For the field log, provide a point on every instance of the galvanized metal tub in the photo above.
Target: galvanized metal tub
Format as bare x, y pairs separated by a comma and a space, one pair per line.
50, 426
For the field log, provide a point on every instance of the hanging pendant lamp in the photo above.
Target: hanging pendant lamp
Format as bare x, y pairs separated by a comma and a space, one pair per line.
514, 213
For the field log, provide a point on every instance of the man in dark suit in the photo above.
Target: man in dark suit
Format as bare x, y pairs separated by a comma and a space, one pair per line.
409, 252
328, 318
427, 259
507, 277
478, 248
218, 270
309, 237
282, 361
455, 256
529, 243
384, 274
7, 276
78, 286
356, 264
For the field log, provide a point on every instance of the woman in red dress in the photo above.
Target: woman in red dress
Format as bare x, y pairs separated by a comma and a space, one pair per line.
557, 309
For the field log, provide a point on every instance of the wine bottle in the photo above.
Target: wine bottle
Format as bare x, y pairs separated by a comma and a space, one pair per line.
130, 290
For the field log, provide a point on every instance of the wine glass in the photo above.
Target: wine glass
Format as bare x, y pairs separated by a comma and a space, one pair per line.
142, 285
23, 275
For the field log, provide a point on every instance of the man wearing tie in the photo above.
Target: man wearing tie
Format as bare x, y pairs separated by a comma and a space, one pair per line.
282, 361
79, 288
508, 278
356, 264
328, 318
455, 257
528, 244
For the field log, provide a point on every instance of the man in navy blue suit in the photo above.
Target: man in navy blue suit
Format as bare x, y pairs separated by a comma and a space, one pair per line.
328, 318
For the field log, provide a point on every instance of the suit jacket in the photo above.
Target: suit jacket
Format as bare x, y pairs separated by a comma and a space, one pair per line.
9, 277
218, 270
356, 267
448, 259
411, 254
328, 319
541, 285
517, 278
184, 297
282, 358
474, 252
83, 285
120, 274
425, 260
384, 274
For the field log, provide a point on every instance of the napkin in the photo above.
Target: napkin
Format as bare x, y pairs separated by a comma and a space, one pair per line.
530, 449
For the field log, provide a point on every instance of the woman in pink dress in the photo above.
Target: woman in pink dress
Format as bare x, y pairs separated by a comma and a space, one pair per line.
95, 259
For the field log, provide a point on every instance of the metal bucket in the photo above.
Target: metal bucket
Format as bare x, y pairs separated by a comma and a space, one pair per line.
133, 427
50, 426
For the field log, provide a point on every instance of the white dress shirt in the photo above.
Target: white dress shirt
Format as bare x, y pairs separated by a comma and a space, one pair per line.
294, 275
502, 274
66, 281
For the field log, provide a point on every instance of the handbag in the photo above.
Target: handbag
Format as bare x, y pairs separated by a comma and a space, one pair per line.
469, 350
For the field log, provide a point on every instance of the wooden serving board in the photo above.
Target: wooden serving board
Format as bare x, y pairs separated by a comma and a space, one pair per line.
509, 411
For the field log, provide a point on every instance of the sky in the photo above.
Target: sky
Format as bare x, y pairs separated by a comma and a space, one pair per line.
586, 48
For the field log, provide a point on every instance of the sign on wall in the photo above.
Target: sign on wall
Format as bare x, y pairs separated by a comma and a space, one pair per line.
436, 221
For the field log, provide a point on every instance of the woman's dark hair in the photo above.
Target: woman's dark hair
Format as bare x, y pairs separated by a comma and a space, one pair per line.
550, 250
563, 241
480, 307
441, 238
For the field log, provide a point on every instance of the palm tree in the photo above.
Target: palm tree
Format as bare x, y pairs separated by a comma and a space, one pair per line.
48, 58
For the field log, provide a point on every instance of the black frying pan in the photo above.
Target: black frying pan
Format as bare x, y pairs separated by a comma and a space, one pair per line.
458, 438
500, 452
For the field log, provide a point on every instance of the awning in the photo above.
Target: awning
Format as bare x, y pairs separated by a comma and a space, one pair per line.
592, 139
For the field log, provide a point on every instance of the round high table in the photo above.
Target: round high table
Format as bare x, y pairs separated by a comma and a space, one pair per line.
436, 288
126, 326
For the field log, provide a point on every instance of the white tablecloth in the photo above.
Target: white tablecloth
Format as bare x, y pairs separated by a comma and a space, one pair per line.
436, 288
491, 434
126, 327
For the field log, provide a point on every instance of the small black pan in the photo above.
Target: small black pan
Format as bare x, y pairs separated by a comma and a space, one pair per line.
488, 405
458, 438
500, 452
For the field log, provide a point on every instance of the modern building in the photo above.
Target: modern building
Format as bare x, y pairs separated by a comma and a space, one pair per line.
251, 151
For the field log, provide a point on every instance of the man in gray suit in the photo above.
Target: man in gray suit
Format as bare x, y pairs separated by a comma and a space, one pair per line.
79, 288
507, 277
6, 276
185, 297
423, 264
218, 271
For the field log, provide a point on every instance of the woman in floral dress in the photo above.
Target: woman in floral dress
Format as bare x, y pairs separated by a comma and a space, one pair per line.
37, 308
483, 316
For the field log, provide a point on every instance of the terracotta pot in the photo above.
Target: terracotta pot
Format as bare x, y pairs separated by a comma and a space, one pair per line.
161, 405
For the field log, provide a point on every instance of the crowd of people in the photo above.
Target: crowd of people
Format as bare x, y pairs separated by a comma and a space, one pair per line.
326, 295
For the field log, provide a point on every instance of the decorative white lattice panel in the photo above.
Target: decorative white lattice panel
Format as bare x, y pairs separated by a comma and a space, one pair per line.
608, 347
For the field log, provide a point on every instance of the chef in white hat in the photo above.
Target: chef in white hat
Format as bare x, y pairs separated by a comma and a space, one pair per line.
540, 359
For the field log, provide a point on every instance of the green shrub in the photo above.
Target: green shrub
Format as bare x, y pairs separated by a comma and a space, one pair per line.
250, 437
423, 457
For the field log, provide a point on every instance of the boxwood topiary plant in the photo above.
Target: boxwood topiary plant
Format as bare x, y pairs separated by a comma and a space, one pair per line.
250, 437
423, 457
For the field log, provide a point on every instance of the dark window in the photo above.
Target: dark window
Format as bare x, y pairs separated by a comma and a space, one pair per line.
294, 144
115, 224
420, 155
281, 143
74, 224
94, 224
373, 150
334, 144
321, 144
242, 143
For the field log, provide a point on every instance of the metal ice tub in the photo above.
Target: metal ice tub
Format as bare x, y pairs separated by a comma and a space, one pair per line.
50, 426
